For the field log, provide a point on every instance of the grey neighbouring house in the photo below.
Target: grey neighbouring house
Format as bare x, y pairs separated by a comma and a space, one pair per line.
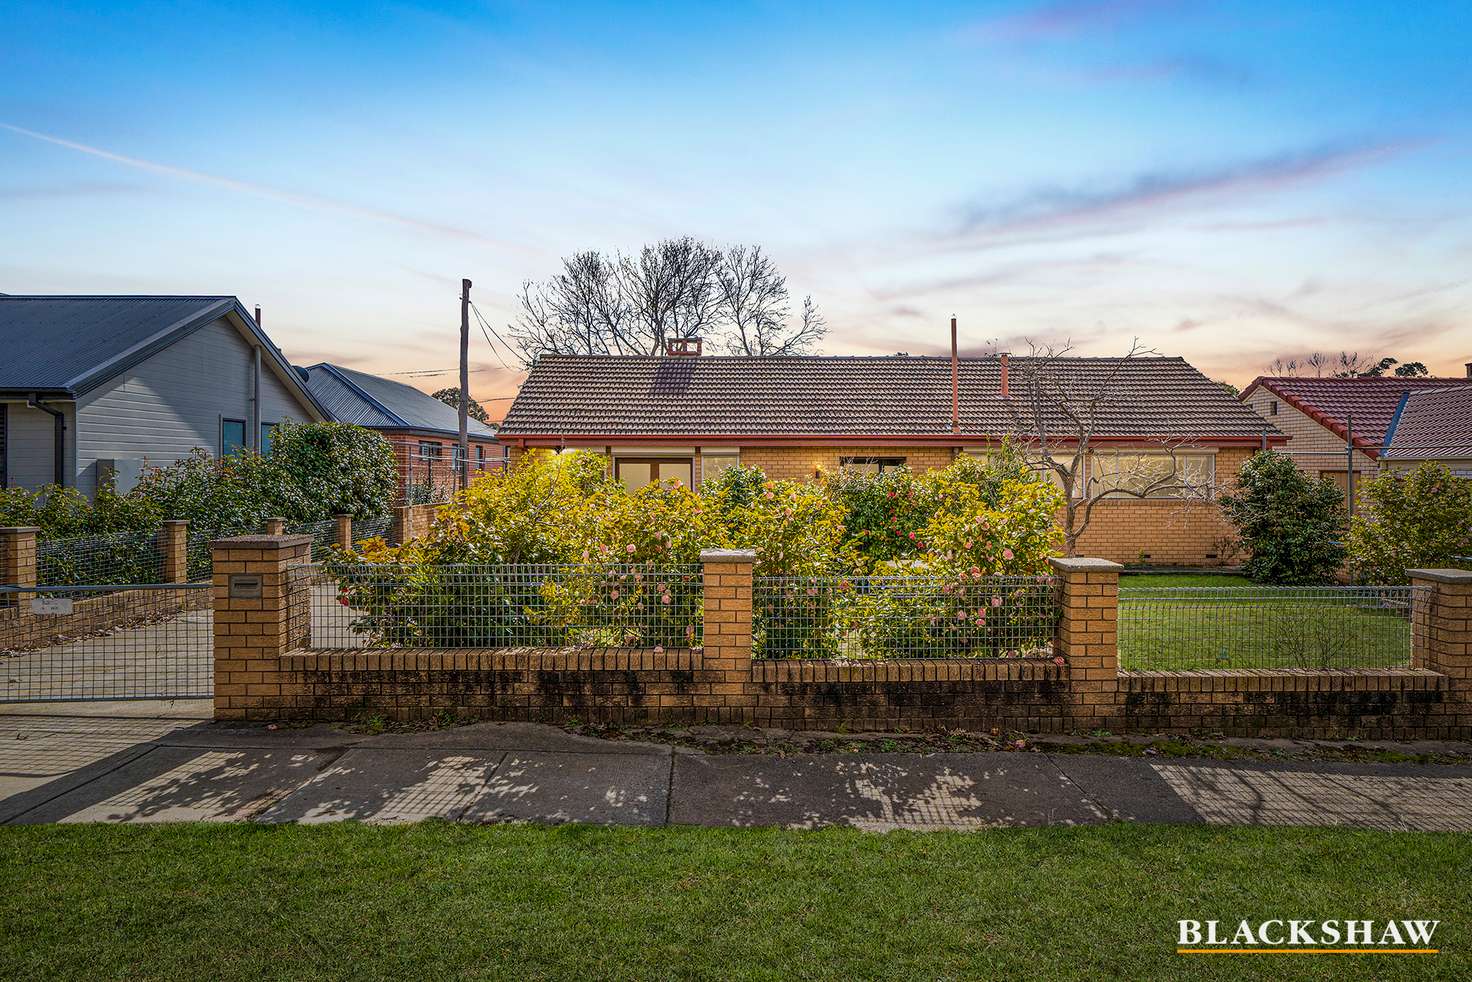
94, 388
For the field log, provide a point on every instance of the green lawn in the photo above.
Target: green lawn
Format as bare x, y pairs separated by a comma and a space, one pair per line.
1253, 627
246, 902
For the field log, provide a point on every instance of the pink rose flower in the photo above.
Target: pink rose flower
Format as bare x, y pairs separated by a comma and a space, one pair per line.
996, 601
666, 599
629, 550
1006, 553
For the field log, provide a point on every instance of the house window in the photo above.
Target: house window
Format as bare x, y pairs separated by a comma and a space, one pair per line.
232, 436
871, 465
1194, 473
429, 450
480, 456
1273, 408
713, 466
635, 472
266, 430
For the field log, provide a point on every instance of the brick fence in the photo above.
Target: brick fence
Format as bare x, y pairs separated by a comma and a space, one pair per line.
263, 669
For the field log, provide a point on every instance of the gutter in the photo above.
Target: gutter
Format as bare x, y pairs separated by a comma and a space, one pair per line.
864, 439
58, 438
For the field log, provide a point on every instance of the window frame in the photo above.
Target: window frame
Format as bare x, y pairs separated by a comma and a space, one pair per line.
427, 445
653, 463
1096, 474
882, 465
267, 430
705, 462
244, 430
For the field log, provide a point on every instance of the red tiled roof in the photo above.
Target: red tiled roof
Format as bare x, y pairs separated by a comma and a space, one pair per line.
1433, 424
568, 396
1332, 402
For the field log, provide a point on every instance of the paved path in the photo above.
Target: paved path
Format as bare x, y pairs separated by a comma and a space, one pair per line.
142, 769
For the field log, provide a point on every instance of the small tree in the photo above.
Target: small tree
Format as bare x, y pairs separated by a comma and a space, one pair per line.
1059, 413
451, 397
1421, 519
1291, 525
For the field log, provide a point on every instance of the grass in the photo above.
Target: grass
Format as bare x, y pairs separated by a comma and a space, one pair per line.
436, 900
1253, 628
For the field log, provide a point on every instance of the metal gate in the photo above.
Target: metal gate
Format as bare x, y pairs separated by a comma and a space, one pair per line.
112, 641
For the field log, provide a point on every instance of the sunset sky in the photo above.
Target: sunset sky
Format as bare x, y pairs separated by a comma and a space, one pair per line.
1228, 182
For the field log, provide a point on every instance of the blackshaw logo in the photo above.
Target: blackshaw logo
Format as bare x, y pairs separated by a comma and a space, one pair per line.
1332, 937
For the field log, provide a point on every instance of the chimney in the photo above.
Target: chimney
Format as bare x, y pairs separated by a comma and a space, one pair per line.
955, 381
1469, 369
1003, 356
258, 315
683, 347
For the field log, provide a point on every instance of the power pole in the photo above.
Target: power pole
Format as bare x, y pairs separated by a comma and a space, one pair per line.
464, 383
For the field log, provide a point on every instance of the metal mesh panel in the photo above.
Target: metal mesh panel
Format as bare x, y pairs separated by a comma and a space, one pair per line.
117, 557
1184, 628
869, 617
485, 606
197, 550
323, 533
372, 528
72, 643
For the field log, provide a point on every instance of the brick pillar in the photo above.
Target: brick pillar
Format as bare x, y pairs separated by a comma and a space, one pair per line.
727, 587
17, 560
344, 537
1441, 625
251, 634
399, 528
1088, 637
173, 551
275, 526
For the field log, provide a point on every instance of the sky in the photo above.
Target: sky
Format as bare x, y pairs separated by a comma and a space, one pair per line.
1229, 182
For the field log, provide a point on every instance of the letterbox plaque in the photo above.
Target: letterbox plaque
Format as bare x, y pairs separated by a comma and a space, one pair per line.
51, 606
245, 586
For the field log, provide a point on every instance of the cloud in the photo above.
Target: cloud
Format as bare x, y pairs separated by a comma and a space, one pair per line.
309, 201
1051, 207
1062, 19
1191, 68
1187, 324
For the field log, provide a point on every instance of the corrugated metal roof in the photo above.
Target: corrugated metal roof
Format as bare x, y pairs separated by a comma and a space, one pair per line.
579, 395
380, 403
1433, 424
59, 342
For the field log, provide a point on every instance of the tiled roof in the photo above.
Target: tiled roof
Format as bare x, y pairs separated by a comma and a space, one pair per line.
583, 396
381, 403
1433, 423
1333, 401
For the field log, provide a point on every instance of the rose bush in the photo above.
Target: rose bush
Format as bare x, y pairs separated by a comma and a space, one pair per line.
1418, 520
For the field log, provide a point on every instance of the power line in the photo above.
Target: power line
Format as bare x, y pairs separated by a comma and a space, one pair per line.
486, 327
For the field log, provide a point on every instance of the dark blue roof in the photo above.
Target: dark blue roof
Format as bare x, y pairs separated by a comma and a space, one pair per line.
381, 403
71, 343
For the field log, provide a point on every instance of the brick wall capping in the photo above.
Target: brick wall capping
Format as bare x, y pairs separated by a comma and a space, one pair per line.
1080, 564
728, 555
18, 529
261, 541
1441, 575
175, 522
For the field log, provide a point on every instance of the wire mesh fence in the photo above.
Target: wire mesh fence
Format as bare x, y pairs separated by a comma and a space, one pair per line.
372, 528
878, 617
114, 557
197, 549
497, 606
1189, 628
323, 533
63, 643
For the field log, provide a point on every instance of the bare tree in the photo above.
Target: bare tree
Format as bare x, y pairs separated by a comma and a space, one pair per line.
1345, 364
1058, 414
675, 288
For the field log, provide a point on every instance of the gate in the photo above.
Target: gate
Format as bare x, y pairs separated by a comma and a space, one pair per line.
113, 641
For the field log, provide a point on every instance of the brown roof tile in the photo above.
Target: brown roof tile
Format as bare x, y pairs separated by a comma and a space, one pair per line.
1434, 423
905, 396
1333, 401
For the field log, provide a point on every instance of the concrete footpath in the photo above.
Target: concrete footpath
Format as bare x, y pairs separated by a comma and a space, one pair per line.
141, 763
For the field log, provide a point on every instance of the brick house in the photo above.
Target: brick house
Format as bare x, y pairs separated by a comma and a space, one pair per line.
425, 432
1318, 415
689, 418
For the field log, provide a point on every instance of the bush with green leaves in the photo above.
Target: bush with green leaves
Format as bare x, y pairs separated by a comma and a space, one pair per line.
1291, 525
1419, 520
